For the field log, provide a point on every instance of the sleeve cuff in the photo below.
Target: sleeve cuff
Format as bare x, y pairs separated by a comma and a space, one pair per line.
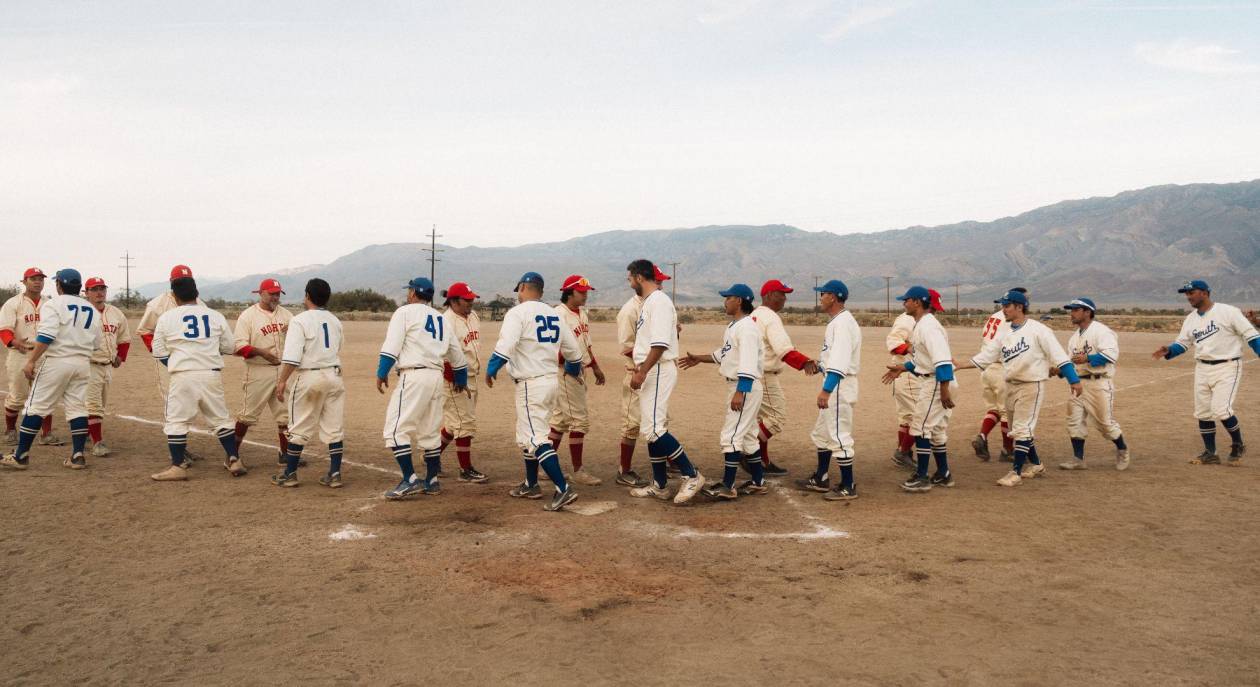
147, 340
460, 377
123, 349
573, 368
744, 385
1174, 350
384, 365
945, 372
831, 381
1069, 372
45, 339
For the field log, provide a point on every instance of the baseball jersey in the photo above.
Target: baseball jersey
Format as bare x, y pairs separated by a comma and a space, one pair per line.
579, 323
421, 337
70, 326
313, 340
1027, 353
19, 318
657, 328
898, 335
842, 345
155, 308
775, 340
1099, 339
192, 337
468, 332
115, 335
929, 345
530, 339
1217, 334
740, 356
259, 330
995, 328
627, 322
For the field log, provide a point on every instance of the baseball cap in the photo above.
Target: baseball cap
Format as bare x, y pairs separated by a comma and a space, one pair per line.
658, 275
94, 282
576, 282
269, 286
1194, 284
834, 286
33, 272
741, 290
1013, 297
936, 300
1081, 303
460, 290
420, 285
529, 278
918, 293
180, 272
775, 285
69, 276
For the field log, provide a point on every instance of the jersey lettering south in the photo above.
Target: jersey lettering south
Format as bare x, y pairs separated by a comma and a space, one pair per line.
657, 328
20, 316
70, 326
1096, 339
775, 341
740, 354
1218, 334
419, 336
192, 337
468, 331
929, 345
842, 345
579, 324
313, 340
263, 331
531, 338
1027, 353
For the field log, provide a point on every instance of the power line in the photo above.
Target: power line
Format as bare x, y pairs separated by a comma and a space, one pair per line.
673, 276
127, 260
433, 250
887, 295
817, 305
957, 310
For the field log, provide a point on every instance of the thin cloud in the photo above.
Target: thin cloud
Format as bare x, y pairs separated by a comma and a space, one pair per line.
863, 16
1197, 58
722, 11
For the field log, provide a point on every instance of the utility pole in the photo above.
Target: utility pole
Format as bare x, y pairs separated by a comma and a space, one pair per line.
433, 250
127, 260
817, 305
887, 295
673, 276
957, 310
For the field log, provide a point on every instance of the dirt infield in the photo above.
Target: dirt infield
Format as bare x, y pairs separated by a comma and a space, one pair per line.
1151, 576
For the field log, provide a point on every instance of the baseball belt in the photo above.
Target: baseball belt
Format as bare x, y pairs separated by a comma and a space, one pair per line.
1218, 362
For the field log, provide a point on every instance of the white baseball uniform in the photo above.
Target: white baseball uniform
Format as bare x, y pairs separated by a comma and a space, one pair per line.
530, 340
1026, 352
115, 339
775, 344
929, 344
627, 323
421, 341
904, 388
192, 340
570, 411
993, 378
459, 410
316, 394
1218, 336
19, 318
740, 358
657, 328
1096, 404
259, 330
154, 309
71, 328
841, 354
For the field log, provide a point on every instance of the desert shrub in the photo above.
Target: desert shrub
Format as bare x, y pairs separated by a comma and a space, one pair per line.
360, 300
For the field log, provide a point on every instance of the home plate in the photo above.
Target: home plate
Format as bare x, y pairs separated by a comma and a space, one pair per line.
591, 507
350, 533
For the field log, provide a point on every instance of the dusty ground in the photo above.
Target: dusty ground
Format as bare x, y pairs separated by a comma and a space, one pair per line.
1144, 577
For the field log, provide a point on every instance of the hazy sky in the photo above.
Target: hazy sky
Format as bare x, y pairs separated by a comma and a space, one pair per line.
245, 136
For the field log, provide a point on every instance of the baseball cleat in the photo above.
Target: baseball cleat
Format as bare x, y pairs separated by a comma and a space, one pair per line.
842, 493
1010, 479
283, 461
917, 484
10, 460
561, 499
50, 439
721, 492
1006, 456
651, 490
1236, 452
1032, 470
939, 480
235, 466
1079, 464
814, 484
75, 462
404, 489
11, 437
173, 473
524, 491
100, 450
774, 470
981, 444
332, 481
690, 487
904, 459
1122, 459
285, 479
431, 488
631, 479
473, 475
1206, 458
586, 478
751, 488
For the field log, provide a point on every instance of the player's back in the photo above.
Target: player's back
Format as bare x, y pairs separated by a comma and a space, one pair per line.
192, 337
314, 340
70, 326
418, 336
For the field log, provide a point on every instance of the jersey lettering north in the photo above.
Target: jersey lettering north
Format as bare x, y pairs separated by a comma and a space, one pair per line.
1099, 341
114, 331
657, 328
20, 317
262, 331
313, 340
468, 332
421, 337
192, 337
1027, 353
1218, 334
929, 345
740, 354
70, 326
531, 339
842, 345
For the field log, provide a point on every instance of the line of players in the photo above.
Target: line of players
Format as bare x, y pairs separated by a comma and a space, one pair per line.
64, 349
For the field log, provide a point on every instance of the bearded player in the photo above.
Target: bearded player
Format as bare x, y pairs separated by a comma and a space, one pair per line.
570, 413
777, 351
19, 320
111, 354
627, 324
260, 331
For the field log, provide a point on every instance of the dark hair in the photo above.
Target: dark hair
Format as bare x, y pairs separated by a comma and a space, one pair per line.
1021, 290
1022, 307
185, 289
71, 288
565, 295
318, 291
745, 306
643, 268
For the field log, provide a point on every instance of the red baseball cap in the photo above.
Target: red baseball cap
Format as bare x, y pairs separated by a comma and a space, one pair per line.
94, 282
180, 272
659, 276
775, 285
576, 282
33, 272
270, 286
936, 300
460, 290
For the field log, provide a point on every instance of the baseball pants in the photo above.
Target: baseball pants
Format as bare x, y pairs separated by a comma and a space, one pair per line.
1215, 388
260, 394
833, 430
654, 400
192, 393
459, 410
773, 413
316, 403
414, 415
98, 388
535, 398
931, 418
1094, 406
59, 380
630, 415
19, 387
739, 427
905, 394
569, 413
163, 379
1023, 405
993, 389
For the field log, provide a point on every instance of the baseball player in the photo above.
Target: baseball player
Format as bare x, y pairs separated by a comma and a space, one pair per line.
459, 414
112, 353
19, 319
190, 341
418, 342
1027, 353
260, 331
841, 359
627, 324
154, 309
739, 362
932, 365
316, 399
57, 369
993, 387
569, 413
1094, 349
656, 373
530, 340
778, 351
1217, 331
897, 343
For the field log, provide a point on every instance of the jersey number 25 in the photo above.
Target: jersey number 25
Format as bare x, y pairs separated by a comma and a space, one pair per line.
548, 328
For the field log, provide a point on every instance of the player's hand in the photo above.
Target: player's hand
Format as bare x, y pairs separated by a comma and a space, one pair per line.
116, 362
269, 357
637, 379
629, 353
489, 381
1254, 317
382, 383
1161, 352
823, 398
1076, 389
946, 399
688, 361
280, 390
810, 368
599, 376
28, 371
1080, 359
737, 401
22, 346
894, 371
1054, 372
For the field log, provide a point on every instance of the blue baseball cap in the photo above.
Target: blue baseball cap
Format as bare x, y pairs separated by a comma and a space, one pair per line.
1194, 284
741, 290
420, 285
834, 286
1013, 297
917, 292
68, 276
1081, 303
529, 278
